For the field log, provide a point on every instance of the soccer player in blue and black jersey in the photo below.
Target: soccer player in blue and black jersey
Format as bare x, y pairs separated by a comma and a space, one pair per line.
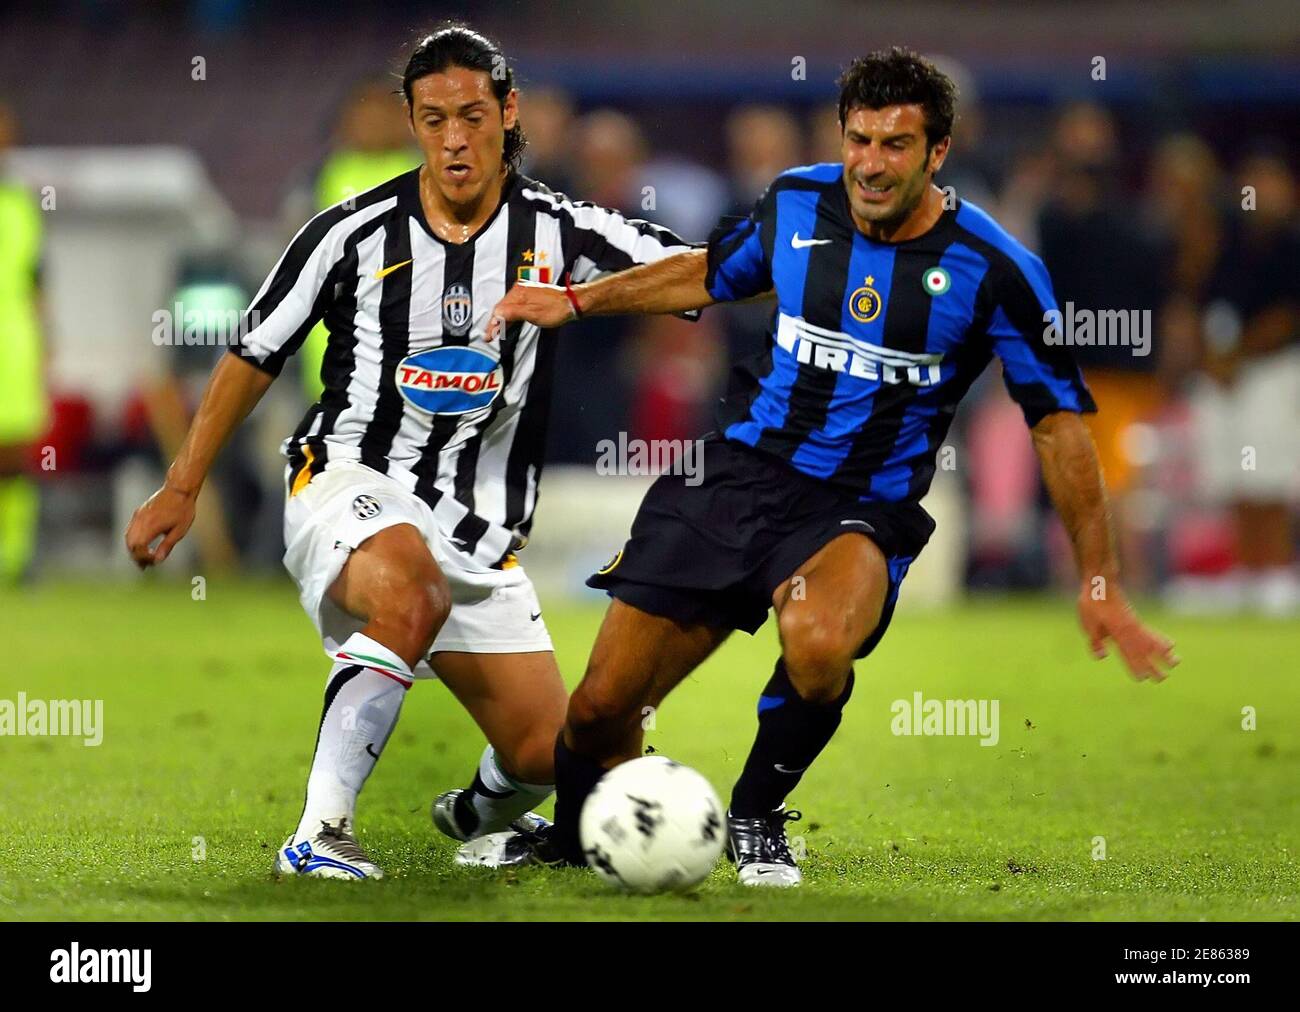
888, 305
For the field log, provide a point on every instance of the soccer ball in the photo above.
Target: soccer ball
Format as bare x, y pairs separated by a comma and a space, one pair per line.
652, 825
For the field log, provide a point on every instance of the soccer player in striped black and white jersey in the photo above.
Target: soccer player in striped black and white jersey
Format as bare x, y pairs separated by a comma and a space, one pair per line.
411, 484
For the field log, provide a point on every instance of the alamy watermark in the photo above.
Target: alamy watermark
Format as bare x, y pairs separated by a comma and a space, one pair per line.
71, 718
75, 965
921, 716
178, 326
651, 457
1099, 328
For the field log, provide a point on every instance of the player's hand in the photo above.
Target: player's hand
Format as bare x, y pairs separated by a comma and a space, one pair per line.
1146, 653
168, 514
545, 305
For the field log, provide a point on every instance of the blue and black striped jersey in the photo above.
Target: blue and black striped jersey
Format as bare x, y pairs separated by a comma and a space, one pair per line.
873, 344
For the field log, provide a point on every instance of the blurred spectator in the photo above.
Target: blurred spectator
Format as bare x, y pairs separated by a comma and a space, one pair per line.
1183, 207
546, 115
968, 169
614, 171
23, 402
609, 159
825, 134
593, 391
682, 195
1246, 405
677, 361
1102, 261
677, 366
1027, 189
762, 142
1183, 187
644, 377
205, 310
372, 144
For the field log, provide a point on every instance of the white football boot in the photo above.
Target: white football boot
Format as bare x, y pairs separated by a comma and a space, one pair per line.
760, 850
484, 847
513, 848
332, 852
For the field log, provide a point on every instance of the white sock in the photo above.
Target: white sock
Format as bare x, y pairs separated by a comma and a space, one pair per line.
362, 700
494, 800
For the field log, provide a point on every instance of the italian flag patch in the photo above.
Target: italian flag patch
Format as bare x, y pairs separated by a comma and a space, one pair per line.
936, 281
540, 274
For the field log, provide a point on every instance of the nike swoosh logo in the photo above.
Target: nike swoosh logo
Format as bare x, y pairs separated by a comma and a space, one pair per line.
371, 749
534, 618
781, 769
862, 522
389, 270
798, 243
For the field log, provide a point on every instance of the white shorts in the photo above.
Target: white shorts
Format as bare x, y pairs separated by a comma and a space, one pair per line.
493, 611
1248, 434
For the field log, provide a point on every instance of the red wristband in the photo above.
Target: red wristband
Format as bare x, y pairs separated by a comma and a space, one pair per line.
573, 298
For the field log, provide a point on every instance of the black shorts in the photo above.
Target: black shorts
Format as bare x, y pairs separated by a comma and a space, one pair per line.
713, 553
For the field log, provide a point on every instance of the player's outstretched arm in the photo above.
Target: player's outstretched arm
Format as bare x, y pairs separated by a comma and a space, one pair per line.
672, 285
1074, 480
233, 391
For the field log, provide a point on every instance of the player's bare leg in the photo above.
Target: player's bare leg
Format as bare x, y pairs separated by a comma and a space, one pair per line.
825, 612
638, 658
518, 701
391, 583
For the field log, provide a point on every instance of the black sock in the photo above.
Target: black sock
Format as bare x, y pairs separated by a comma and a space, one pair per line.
791, 734
463, 809
576, 776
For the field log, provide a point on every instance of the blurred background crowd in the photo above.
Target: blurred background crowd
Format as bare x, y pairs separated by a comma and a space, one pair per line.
158, 156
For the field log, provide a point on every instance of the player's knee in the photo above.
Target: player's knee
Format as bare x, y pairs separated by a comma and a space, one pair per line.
596, 708
416, 609
818, 651
531, 760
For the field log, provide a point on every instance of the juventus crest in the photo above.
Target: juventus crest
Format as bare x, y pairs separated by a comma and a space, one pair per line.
457, 310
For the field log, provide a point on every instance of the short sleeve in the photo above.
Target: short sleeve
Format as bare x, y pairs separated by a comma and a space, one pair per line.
300, 288
740, 261
600, 241
1040, 373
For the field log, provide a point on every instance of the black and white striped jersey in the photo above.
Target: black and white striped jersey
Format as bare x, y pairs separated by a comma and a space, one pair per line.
412, 389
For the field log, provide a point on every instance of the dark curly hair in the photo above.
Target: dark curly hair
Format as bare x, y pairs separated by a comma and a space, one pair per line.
455, 44
900, 76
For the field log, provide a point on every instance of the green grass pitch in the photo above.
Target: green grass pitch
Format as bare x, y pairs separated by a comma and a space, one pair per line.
210, 711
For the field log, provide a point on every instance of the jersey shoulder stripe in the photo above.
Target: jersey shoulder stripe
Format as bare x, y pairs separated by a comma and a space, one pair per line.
1012, 302
351, 212
339, 221
820, 173
586, 215
980, 224
365, 198
298, 290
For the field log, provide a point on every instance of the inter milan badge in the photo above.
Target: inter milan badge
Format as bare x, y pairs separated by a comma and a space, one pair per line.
457, 310
864, 302
936, 281
365, 507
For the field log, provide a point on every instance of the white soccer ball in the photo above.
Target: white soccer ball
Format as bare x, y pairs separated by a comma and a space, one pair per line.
652, 825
